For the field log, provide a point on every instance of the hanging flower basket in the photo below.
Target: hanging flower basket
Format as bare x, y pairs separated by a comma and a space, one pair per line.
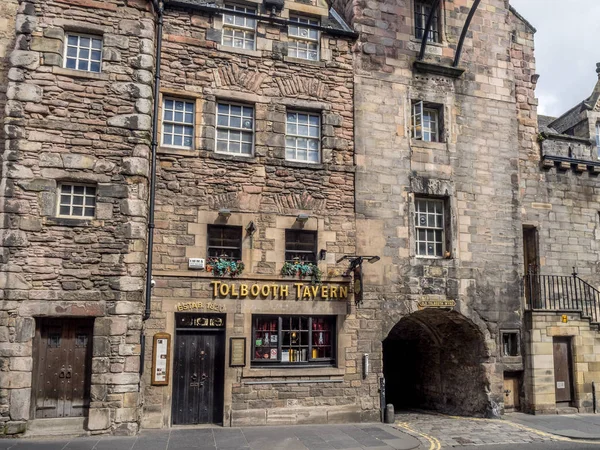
221, 267
301, 270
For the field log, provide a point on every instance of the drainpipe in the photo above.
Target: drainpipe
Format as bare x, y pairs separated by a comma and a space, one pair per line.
159, 8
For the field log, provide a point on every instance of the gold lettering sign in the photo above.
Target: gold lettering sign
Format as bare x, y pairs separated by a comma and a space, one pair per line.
300, 291
436, 304
208, 306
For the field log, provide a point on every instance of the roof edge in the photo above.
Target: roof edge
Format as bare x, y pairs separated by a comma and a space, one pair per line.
521, 18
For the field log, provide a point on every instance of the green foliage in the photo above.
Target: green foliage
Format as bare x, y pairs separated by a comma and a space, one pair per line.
541, 137
221, 267
302, 270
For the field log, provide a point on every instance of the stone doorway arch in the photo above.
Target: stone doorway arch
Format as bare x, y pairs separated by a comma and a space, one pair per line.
434, 359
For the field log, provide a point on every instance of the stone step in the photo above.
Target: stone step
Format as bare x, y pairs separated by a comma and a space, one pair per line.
566, 410
64, 426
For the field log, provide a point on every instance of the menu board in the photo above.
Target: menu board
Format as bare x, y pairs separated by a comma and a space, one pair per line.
161, 357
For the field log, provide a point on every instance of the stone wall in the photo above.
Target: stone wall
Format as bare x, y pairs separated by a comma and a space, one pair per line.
264, 189
475, 170
7, 42
74, 126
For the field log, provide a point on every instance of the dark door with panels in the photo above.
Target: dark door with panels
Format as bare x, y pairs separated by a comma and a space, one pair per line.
63, 355
198, 369
563, 363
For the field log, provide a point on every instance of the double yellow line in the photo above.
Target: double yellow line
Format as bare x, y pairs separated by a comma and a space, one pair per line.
434, 444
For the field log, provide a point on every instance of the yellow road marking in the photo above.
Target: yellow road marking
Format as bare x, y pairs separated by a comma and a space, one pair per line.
434, 444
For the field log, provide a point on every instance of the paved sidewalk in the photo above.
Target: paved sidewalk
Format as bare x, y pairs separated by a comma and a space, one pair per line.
300, 437
574, 426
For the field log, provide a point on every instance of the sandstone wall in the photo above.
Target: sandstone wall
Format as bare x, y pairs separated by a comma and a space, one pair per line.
73, 126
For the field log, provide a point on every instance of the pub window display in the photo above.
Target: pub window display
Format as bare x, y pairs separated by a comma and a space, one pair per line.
293, 340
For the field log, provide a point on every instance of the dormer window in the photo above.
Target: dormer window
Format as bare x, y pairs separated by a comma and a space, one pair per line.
422, 10
303, 41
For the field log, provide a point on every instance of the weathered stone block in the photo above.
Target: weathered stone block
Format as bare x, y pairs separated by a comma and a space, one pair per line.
25, 59
77, 161
99, 419
13, 238
12, 428
131, 121
19, 404
24, 92
133, 207
135, 166
140, 28
42, 44
15, 380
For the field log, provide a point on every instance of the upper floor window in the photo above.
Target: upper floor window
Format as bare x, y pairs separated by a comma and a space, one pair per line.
77, 201
83, 52
303, 41
239, 30
302, 137
301, 245
224, 241
235, 129
598, 138
429, 227
422, 10
426, 121
178, 123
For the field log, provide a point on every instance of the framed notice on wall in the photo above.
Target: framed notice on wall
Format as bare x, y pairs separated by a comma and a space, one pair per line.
161, 359
237, 352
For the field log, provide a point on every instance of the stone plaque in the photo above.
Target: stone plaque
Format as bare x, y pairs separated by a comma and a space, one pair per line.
237, 352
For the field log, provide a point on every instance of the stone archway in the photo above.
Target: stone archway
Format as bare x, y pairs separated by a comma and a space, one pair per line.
433, 359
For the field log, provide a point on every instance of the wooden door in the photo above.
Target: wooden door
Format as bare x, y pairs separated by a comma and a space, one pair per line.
198, 378
511, 393
63, 367
563, 369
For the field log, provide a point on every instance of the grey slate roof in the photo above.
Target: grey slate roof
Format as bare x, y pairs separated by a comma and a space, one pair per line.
544, 122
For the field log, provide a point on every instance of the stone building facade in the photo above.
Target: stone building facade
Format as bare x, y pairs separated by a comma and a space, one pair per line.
291, 138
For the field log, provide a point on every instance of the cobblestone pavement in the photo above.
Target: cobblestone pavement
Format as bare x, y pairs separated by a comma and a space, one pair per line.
436, 431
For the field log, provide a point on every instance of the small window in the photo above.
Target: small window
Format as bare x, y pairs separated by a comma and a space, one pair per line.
76, 200
301, 245
293, 340
235, 129
302, 137
426, 122
239, 30
422, 10
224, 241
83, 53
429, 227
178, 123
510, 343
303, 41
598, 139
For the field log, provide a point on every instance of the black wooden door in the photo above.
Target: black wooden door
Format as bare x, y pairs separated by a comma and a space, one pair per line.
562, 369
63, 362
198, 378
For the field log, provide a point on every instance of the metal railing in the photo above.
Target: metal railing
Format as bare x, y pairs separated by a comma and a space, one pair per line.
562, 293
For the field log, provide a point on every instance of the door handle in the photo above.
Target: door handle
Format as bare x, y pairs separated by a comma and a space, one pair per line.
507, 391
194, 377
62, 374
204, 377
69, 374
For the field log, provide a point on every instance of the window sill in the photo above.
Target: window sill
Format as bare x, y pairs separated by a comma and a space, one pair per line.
308, 62
67, 222
232, 157
239, 51
417, 143
303, 165
79, 74
176, 151
292, 372
434, 44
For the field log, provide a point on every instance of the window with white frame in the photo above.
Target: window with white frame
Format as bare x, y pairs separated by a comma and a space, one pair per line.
239, 30
598, 139
83, 52
235, 129
422, 10
429, 227
303, 41
76, 200
426, 122
302, 137
178, 123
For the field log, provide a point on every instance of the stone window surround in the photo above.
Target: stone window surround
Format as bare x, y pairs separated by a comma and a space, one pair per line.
189, 97
299, 39
164, 98
426, 227
92, 37
505, 331
250, 255
436, 189
240, 130
84, 205
234, 27
444, 119
307, 137
443, 41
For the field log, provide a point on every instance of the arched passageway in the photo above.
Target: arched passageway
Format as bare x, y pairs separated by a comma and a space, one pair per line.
432, 359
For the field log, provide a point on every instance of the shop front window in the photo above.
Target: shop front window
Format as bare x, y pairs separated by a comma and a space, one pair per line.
293, 340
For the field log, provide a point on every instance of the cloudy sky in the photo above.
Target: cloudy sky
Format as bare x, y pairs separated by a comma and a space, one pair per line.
567, 48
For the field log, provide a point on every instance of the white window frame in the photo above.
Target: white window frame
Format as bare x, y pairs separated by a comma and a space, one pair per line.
78, 47
299, 39
242, 29
297, 136
229, 129
421, 12
177, 123
426, 122
72, 195
430, 202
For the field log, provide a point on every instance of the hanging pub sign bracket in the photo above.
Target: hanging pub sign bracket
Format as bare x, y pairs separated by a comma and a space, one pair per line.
356, 269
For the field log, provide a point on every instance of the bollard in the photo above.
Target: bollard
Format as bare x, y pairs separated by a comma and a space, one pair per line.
389, 413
